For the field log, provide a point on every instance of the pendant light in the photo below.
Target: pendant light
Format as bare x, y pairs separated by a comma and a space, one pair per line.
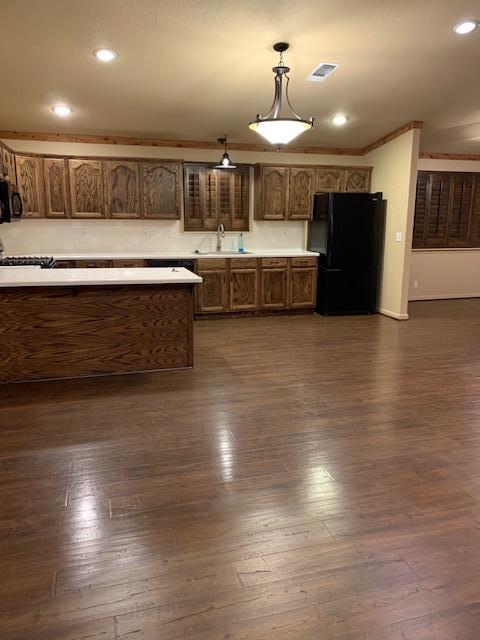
277, 128
225, 162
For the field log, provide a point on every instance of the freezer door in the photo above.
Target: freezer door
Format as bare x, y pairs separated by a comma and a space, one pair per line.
347, 291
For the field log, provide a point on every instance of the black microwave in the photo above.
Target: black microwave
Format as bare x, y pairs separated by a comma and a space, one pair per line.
10, 202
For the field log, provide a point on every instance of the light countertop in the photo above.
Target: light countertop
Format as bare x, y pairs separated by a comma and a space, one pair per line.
165, 255
34, 277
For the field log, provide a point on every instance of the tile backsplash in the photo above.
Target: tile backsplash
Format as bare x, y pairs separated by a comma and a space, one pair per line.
83, 236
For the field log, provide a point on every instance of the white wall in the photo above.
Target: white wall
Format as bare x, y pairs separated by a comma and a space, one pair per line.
80, 236
394, 173
445, 273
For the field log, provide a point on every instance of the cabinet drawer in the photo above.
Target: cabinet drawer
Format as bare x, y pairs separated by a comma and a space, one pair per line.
304, 262
211, 263
128, 263
243, 263
93, 264
274, 262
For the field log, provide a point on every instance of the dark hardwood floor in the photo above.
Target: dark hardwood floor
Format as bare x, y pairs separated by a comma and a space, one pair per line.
311, 478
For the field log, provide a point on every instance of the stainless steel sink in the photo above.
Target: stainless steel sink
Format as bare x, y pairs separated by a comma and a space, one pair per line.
220, 253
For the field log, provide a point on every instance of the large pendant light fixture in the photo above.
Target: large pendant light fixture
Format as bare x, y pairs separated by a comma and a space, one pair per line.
225, 162
277, 128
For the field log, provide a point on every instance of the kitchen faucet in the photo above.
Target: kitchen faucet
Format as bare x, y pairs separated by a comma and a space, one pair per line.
220, 235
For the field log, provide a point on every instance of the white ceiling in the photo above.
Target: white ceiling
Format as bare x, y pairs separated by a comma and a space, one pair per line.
194, 69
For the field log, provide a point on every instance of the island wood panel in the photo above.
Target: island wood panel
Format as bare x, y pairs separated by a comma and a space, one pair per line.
56, 190
122, 189
29, 171
86, 188
70, 332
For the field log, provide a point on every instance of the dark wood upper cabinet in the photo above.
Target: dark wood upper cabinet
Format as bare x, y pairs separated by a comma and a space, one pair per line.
329, 179
271, 193
8, 165
86, 188
286, 192
214, 196
447, 210
161, 189
357, 179
56, 190
122, 189
29, 171
301, 190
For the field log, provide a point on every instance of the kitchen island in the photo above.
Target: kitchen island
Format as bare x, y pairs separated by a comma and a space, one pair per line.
71, 323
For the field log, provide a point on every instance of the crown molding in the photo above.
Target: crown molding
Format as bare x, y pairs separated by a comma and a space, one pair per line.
202, 144
414, 124
449, 156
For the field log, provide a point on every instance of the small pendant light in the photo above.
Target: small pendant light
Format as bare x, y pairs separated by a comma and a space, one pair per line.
275, 127
225, 162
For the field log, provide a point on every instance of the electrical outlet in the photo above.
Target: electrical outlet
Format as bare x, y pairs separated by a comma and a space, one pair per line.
398, 236
415, 284
172, 233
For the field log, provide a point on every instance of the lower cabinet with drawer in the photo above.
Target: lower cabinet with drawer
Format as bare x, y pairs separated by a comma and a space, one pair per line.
255, 286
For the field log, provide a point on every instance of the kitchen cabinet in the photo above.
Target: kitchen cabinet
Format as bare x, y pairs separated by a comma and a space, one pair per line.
243, 284
274, 283
286, 192
214, 196
329, 179
122, 189
29, 171
161, 190
211, 296
86, 188
300, 193
129, 263
56, 191
8, 164
357, 179
271, 193
93, 264
302, 287
447, 210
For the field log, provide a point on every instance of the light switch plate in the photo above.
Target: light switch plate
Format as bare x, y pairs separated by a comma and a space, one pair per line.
398, 236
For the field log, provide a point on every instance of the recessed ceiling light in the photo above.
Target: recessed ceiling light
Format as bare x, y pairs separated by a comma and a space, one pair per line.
467, 26
339, 119
105, 55
61, 110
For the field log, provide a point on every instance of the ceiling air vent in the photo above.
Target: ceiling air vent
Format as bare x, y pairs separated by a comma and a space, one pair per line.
320, 73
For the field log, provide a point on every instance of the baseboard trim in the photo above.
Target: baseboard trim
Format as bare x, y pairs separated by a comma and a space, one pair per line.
445, 296
393, 314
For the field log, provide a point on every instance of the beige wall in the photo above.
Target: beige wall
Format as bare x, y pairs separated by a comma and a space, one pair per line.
80, 236
445, 273
394, 173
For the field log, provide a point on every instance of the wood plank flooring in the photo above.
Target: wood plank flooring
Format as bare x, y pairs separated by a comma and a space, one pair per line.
310, 478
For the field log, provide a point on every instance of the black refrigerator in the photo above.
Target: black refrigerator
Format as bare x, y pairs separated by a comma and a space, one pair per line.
347, 230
